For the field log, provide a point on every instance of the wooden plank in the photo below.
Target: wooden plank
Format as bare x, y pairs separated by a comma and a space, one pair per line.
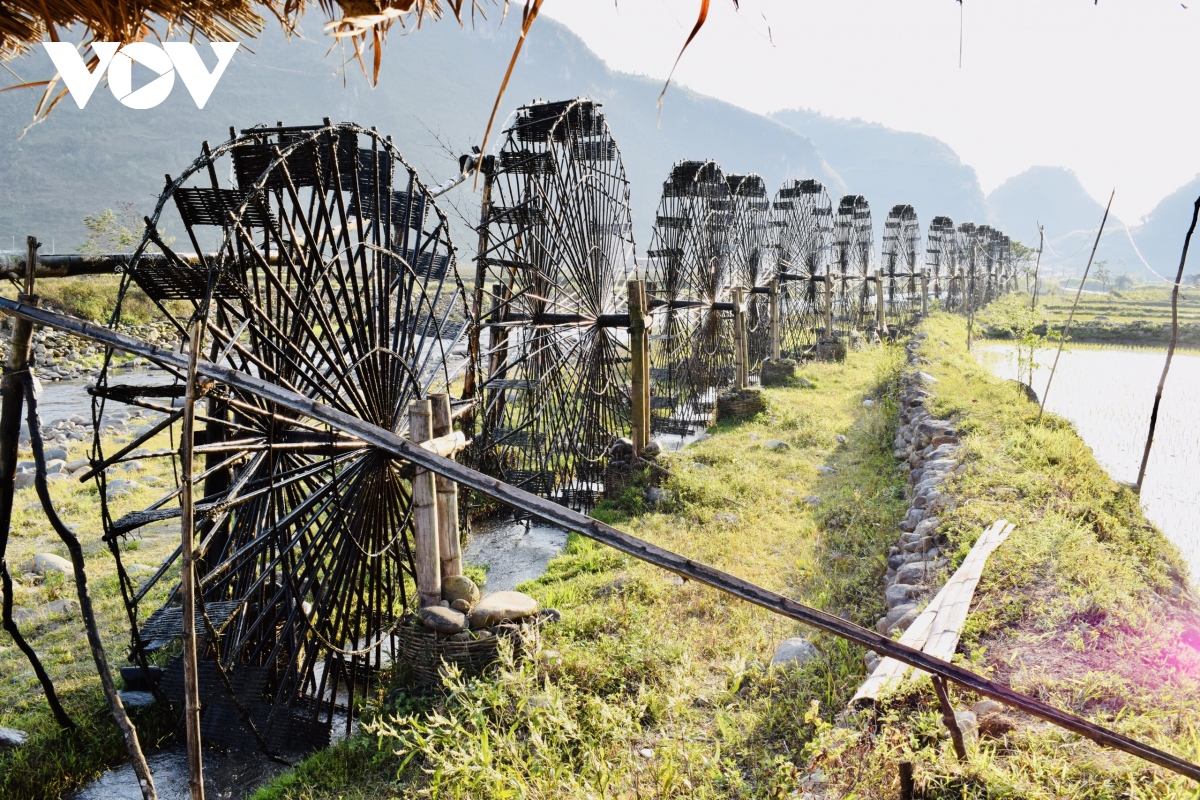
547, 511
447, 492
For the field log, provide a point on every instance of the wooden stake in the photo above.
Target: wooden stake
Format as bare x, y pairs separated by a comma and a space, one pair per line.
924, 294
639, 352
1037, 266
425, 512
187, 587
741, 368
1070, 317
11, 397
776, 347
1162, 381
447, 495
828, 306
880, 325
951, 722
906, 780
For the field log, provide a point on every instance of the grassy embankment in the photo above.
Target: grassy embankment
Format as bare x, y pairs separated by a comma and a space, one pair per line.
1085, 606
1136, 316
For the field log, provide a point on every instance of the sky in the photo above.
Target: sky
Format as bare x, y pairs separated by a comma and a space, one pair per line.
1106, 89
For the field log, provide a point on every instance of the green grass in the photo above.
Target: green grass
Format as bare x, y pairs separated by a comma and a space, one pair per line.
645, 661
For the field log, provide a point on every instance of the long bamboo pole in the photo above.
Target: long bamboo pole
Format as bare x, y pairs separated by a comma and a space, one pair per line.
639, 365
1071, 316
1162, 381
551, 512
1037, 266
776, 344
187, 588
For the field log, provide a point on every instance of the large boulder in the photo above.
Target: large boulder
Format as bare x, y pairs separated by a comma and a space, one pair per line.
502, 607
11, 737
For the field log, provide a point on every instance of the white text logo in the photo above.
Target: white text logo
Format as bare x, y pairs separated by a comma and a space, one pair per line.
165, 61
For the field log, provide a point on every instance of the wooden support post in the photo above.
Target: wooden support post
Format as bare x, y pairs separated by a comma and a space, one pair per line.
425, 512
11, 397
951, 722
880, 324
741, 360
639, 352
447, 495
776, 346
187, 583
828, 306
907, 787
924, 294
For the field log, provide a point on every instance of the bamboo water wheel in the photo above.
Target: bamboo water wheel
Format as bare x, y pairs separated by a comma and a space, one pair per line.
902, 262
691, 347
853, 260
321, 265
940, 257
803, 219
556, 251
752, 256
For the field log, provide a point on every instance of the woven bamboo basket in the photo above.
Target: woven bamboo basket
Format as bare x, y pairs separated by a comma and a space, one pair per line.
741, 404
425, 651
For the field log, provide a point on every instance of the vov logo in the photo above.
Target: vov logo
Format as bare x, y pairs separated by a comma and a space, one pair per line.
165, 61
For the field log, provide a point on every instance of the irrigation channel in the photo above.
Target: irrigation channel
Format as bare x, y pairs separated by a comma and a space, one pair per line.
330, 442
1103, 391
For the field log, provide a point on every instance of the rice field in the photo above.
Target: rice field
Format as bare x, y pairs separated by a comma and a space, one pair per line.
1108, 394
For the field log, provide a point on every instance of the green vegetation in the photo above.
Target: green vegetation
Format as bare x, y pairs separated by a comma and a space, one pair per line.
1084, 607
651, 686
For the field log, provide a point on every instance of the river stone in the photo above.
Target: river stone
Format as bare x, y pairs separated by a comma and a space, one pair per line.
78, 464
652, 449
502, 607
927, 527
442, 620
899, 594
48, 562
23, 480
918, 571
53, 453
136, 699
461, 606
968, 724
120, 487
906, 619
776, 444
460, 587
812, 500
796, 651
11, 737
886, 622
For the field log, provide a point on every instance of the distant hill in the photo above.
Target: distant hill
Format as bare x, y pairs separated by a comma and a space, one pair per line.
1052, 196
435, 92
1160, 236
890, 166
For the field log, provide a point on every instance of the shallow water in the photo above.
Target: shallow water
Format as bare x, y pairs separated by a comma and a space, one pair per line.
1108, 394
513, 551
225, 777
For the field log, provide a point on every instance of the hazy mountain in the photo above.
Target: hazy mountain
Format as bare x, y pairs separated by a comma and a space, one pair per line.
1160, 236
434, 95
890, 166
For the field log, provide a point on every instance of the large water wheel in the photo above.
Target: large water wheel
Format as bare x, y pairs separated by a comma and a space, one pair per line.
752, 256
901, 265
321, 265
691, 347
853, 259
556, 251
941, 254
803, 218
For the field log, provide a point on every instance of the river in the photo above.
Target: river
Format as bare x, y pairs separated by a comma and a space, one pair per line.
1108, 394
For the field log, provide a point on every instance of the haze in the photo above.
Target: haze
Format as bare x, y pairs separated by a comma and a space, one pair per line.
1103, 89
